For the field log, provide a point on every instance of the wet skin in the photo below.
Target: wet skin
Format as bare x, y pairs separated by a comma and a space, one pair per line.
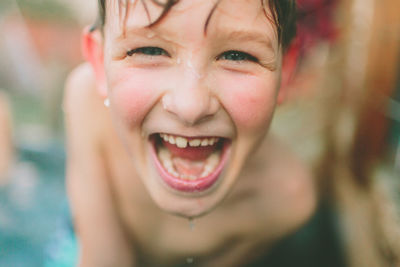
174, 79
221, 84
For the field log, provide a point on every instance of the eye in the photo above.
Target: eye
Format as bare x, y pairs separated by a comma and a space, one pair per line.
237, 56
148, 51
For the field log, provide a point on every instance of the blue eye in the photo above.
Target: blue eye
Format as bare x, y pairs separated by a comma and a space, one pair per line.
148, 51
237, 56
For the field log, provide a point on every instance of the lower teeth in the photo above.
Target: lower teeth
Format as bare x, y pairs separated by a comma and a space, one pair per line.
209, 165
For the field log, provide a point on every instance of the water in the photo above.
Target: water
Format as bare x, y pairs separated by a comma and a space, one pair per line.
150, 35
32, 205
107, 102
166, 102
192, 69
191, 224
190, 260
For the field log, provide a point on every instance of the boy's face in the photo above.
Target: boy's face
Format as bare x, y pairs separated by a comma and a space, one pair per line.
212, 96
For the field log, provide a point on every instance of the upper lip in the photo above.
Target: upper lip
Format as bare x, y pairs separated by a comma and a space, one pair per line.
189, 135
193, 137
156, 123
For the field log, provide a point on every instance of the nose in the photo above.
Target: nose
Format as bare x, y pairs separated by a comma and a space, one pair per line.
191, 100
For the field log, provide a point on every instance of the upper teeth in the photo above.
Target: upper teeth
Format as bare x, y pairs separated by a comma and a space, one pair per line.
182, 142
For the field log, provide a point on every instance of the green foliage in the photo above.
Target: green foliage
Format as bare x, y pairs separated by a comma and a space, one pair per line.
5, 5
40, 9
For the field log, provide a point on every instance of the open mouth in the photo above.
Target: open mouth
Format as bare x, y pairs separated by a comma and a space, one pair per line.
189, 164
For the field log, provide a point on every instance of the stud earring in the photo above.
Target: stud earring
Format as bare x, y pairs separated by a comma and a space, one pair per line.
107, 102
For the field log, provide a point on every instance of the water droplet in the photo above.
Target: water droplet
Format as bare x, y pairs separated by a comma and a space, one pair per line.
107, 102
166, 102
192, 69
191, 224
189, 260
150, 34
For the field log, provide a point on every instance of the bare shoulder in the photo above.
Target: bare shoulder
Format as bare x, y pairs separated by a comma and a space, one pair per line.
82, 103
88, 186
291, 185
80, 82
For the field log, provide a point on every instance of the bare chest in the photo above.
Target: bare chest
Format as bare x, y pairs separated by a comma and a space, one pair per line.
254, 215
225, 237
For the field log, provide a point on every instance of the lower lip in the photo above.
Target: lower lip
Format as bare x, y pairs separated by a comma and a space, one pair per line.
190, 186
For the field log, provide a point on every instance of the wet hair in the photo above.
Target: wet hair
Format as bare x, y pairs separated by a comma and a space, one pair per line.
283, 15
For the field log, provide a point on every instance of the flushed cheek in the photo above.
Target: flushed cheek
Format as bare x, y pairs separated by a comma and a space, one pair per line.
250, 103
133, 95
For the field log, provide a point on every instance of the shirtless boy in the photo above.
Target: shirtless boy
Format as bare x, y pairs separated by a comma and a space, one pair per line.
169, 122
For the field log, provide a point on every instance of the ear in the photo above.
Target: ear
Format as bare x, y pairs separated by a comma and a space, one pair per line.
92, 49
289, 66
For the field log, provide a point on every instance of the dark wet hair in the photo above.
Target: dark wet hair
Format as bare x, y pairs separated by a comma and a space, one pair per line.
283, 15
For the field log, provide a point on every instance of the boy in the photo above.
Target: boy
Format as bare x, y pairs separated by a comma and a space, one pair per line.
189, 89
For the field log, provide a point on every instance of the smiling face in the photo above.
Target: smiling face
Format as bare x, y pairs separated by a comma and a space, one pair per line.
190, 107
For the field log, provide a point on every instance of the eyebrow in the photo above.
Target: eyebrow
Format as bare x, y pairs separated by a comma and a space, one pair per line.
140, 32
248, 36
233, 35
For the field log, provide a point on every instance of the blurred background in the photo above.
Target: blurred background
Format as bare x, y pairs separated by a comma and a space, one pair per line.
39, 45
342, 116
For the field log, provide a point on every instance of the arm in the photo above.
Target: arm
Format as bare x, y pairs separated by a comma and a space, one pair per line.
6, 146
101, 236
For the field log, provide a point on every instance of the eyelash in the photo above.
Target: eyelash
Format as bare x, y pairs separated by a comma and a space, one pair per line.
234, 55
231, 55
148, 51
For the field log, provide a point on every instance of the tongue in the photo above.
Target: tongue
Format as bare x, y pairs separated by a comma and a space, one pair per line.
187, 167
190, 153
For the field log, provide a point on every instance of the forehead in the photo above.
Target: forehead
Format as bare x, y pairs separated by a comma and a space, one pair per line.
207, 15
